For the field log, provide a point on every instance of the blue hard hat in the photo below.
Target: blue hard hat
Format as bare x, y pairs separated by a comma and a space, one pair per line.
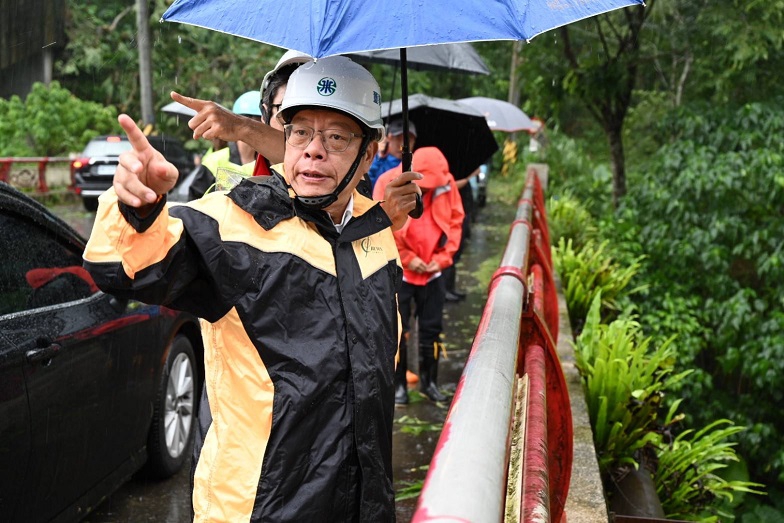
248, 104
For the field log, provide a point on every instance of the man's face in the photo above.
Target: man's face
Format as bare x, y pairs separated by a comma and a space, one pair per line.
314, 171
396, 144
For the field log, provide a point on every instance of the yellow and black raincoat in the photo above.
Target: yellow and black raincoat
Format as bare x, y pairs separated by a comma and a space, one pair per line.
300, 334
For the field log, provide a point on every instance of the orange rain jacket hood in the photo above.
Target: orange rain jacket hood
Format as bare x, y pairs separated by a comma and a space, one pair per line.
445, 205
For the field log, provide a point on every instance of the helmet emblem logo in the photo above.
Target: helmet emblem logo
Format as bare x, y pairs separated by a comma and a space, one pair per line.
326, 86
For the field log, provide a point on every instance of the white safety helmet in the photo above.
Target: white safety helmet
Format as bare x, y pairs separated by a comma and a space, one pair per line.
248, 104
335, 82
289, 57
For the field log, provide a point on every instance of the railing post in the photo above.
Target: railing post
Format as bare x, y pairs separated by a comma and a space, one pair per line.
5, 168
42, 186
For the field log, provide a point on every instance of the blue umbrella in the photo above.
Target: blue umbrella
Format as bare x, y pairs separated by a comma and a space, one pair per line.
329, 27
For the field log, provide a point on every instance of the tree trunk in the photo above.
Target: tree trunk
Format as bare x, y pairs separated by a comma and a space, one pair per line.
145, 61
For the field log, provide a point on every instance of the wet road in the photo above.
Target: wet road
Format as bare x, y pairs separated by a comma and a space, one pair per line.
417, 426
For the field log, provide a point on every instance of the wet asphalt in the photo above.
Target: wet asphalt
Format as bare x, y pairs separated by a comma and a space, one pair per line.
417, 425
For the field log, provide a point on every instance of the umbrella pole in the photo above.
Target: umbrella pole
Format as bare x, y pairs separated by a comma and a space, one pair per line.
407, 156
391, 94
404, 100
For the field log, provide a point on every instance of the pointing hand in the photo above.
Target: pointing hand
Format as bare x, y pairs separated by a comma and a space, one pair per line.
143, 173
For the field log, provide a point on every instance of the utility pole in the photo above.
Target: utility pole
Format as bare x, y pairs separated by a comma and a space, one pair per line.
145, 61
514, 92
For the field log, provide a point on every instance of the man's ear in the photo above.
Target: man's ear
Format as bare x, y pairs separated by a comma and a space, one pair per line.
371, 151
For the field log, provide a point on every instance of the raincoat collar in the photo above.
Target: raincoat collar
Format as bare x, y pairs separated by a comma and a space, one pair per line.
269, 200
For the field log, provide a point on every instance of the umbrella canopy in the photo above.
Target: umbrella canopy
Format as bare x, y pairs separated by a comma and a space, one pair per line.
177, 109
327, 28
501, 115
455, 58
459, 131
323, 28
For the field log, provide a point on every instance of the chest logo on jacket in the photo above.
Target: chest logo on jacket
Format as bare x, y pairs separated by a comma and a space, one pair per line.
368, 248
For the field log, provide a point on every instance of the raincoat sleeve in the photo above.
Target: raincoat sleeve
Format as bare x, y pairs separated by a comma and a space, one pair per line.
154, 261
452, 226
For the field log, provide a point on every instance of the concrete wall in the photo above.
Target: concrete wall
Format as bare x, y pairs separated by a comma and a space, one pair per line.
24, 174
585, 503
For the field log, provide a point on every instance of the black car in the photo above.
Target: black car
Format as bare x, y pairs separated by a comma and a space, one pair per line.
92, 388
94, 169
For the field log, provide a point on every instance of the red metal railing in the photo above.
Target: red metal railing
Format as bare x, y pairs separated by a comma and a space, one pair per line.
512, 395
42, 163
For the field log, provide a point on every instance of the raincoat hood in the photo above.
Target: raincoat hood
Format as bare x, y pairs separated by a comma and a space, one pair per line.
432, 164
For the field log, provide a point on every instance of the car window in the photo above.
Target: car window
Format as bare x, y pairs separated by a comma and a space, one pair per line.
106, 148
37, 269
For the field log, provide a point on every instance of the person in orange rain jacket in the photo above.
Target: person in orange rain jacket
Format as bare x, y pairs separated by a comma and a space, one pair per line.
427, 246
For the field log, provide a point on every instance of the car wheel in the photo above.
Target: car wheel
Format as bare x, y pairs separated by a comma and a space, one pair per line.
174, 419
90, 203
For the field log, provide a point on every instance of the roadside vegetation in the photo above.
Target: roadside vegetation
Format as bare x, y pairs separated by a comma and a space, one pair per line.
695, 251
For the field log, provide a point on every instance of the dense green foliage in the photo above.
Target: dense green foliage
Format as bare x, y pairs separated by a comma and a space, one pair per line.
51, 121
709, 209
705, 209
627, 377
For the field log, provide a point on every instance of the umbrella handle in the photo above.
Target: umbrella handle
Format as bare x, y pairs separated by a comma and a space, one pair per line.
417, 211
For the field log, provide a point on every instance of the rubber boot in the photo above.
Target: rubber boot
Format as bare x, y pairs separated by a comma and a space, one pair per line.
450, 276
428, 373
401, 385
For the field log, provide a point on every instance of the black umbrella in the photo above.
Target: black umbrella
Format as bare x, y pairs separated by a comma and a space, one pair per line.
177, 109
453, 58
458, 130
501, 115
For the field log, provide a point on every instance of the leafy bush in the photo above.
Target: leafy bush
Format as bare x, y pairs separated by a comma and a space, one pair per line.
624, 378
574, 171
568, 218
51, 122
591, 272
687, 479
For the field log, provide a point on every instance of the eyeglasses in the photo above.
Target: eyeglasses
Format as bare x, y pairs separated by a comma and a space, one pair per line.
333, 140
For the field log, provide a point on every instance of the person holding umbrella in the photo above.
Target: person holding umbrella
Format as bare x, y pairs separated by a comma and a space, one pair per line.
427, 247
213, 121
296, 276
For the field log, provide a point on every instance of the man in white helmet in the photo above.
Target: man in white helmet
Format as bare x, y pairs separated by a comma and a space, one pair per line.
266, 137
295, 275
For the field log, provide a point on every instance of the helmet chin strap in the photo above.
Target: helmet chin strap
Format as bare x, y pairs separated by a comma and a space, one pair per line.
322, 202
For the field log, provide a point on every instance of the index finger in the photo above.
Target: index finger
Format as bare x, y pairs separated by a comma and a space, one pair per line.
135, 136
194, 103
